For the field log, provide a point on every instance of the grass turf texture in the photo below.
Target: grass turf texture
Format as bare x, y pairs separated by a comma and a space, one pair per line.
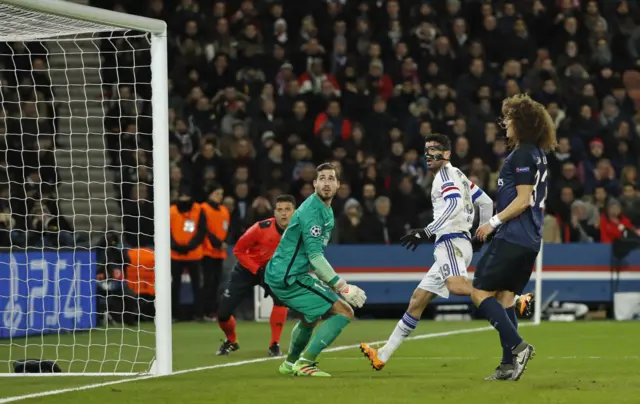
590, 362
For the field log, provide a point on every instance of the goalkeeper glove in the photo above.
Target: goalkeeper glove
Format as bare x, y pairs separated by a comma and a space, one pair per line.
351, 293
411, 240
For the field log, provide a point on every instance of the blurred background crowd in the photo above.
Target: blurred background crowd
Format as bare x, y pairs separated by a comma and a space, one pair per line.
260, 92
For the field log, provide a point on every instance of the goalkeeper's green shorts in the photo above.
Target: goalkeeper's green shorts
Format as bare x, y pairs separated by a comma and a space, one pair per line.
307, 296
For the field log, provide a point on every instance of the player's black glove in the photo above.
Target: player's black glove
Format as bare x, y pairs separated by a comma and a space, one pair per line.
476, 244
411, 240
260, 273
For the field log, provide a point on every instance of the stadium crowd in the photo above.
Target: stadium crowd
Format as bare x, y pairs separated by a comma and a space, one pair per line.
261, 92
29, 211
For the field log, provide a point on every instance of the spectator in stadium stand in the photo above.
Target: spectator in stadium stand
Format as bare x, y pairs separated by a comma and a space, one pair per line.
137, 220
585, 221
601, 198
381, 227
349, 228
613, 223
631, 203
295, 83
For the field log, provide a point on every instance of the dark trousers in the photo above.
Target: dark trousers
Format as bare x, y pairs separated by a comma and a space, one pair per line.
239, 286
211, 275
195, 273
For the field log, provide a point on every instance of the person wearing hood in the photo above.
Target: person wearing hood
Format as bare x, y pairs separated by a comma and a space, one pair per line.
188, 231
584, 224
349, 223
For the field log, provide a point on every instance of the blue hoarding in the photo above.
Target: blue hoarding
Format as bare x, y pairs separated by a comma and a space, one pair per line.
45, 292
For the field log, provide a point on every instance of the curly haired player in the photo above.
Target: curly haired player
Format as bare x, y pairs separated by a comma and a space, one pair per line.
506, 266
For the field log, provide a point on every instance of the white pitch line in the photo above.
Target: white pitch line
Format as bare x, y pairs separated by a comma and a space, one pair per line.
230, 364
469, 358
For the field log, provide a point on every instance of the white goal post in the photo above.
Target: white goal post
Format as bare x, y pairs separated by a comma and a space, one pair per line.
537, 277
41, 306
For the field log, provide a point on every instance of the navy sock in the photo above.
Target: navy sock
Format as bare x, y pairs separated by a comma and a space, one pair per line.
497, 316
507, 356
511, 313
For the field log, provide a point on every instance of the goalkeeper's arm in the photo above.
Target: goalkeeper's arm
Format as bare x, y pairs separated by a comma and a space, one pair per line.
312, 224
325, 272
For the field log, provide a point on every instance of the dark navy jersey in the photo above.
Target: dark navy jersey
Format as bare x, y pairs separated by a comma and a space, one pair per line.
526, 165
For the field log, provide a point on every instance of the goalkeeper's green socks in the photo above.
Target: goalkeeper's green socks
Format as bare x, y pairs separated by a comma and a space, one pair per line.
300, 336
326, 334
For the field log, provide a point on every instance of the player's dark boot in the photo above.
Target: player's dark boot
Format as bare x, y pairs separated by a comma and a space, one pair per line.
522, 354
227, 347
503, 372
274, 350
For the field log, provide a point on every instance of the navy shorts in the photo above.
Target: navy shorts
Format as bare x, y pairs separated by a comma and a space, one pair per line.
504, 266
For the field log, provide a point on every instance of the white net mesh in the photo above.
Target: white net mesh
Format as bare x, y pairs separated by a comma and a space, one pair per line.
19, 24
76, 284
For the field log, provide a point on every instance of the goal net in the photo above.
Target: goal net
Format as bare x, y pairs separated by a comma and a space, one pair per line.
82, 288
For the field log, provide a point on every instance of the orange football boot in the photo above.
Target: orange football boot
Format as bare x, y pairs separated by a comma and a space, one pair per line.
372, 354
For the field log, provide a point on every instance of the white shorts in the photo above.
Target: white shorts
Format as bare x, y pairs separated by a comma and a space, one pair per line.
452, 258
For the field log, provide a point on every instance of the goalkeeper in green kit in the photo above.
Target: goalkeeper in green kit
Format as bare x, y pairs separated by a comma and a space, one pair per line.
287, 275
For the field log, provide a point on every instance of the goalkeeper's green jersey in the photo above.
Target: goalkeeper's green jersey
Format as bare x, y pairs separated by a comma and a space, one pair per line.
306, 236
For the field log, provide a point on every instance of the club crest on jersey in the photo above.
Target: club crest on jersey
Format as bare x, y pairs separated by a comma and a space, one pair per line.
315, 231
457, 252
522, 169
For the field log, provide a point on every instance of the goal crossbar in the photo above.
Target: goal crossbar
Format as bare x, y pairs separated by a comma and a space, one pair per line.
95, 15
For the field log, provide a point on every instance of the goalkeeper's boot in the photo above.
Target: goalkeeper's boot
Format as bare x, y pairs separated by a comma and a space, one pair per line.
303, 367
372, 354
227, 347
286, 368
503, 372
522, 354
524, 305
274, 350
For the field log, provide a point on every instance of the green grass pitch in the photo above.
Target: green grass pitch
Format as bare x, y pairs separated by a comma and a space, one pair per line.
581, 362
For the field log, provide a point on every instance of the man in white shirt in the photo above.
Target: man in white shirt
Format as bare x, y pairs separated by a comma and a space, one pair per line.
454, 198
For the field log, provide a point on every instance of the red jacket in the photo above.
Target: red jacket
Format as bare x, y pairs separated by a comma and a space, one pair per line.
322, 118
384, 86
257, 245
610, 230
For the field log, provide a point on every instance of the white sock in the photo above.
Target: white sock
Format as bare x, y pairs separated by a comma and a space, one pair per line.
403, 329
